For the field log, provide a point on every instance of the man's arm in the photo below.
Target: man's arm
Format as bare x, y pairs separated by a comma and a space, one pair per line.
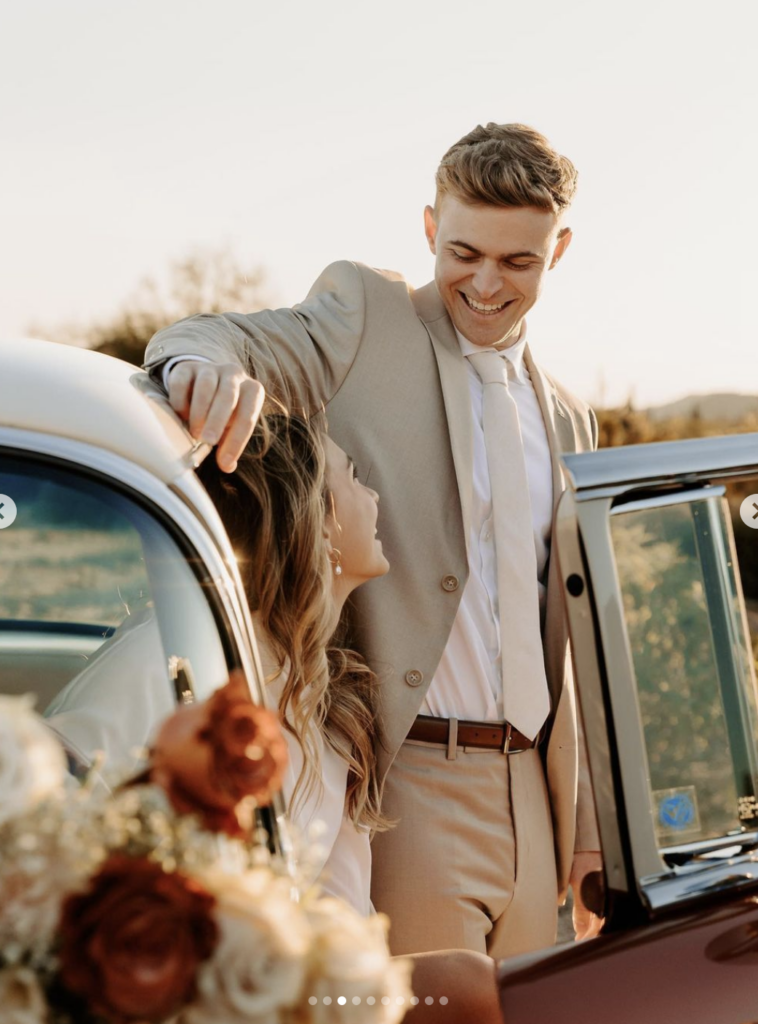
300, 355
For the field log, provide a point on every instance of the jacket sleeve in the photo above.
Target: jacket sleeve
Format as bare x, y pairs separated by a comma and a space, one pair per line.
301, 355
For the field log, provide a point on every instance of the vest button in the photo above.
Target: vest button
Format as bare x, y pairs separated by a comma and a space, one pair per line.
414, 677
450, 583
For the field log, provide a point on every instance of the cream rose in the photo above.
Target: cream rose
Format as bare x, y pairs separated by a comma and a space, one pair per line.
22, 1001
350, 959
32, 762
258, 969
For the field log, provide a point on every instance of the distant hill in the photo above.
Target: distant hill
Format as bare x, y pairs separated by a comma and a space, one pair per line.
724, 407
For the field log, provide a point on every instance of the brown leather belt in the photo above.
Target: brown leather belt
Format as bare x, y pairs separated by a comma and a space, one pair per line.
487, 735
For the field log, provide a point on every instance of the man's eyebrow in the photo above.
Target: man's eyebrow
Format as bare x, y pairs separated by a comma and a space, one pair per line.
509, 256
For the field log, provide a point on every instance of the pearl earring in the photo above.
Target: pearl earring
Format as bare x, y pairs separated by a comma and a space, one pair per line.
336, 562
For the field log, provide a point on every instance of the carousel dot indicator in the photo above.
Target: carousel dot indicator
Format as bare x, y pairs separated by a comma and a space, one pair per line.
400, 1000
341, 1001
371, 1000
443, 1000
429, 1000
414, 1000
327, 1000
313, 1000
386, 1000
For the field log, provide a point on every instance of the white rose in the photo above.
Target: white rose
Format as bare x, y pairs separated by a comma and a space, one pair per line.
350, 960
22, 1001
32, 762
258, 968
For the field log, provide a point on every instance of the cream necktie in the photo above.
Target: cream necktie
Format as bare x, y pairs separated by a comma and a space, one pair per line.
525, 693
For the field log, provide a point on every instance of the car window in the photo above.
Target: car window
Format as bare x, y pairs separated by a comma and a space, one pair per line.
693, 662
102, 617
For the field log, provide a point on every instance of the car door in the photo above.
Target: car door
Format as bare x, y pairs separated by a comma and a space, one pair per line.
117, 599
658, 553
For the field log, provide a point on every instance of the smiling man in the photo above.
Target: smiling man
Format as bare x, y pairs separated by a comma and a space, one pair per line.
450, 420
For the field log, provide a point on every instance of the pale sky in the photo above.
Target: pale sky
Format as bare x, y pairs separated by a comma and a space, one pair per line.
301, 132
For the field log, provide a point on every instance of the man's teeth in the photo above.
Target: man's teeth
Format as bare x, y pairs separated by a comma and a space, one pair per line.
482, 307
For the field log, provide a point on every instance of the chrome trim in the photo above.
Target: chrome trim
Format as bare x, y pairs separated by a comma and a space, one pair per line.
586, 654
595, 530
665, 462
691, 884
664, 498
702, 847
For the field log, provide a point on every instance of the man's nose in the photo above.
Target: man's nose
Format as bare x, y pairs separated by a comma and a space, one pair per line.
487, 281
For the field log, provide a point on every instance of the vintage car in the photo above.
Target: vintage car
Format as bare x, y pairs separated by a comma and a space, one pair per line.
119, 596
119, 589
665, 669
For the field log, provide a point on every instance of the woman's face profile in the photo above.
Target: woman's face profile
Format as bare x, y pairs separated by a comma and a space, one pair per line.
351, 518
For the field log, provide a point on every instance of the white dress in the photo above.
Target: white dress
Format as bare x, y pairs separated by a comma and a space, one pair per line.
345, 866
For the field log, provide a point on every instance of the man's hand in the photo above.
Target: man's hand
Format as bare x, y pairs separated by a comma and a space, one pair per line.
586, 923
220, 403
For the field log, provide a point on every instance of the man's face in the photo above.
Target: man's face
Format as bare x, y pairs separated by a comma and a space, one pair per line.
491, 263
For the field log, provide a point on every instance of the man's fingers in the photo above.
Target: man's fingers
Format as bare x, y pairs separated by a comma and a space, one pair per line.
180, 382
222, 409
220, 403
248, 409
203, 392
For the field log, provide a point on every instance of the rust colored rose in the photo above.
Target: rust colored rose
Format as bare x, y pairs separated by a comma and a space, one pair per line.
132, 944
209, 757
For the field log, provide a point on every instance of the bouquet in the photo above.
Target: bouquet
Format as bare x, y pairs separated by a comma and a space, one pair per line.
158, 901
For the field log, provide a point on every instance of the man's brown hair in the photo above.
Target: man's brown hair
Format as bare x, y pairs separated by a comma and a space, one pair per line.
506, 165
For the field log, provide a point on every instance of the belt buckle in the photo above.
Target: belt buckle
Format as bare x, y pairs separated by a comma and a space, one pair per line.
507, 739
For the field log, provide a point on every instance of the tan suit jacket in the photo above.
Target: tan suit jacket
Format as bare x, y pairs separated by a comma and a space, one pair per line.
386, 364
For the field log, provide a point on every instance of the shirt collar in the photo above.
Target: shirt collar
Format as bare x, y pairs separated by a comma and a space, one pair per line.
514, 353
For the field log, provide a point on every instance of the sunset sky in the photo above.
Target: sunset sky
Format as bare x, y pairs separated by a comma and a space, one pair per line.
299, 133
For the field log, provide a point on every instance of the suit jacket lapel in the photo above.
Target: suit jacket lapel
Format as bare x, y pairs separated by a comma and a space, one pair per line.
561, 435
455, 390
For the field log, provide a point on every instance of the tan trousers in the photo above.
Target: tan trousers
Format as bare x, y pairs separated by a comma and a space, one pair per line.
471, 864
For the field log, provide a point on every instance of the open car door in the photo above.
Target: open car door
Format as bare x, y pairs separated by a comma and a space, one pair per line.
654, 543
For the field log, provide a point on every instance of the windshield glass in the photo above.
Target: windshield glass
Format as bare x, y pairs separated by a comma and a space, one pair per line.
101, 615
693, 663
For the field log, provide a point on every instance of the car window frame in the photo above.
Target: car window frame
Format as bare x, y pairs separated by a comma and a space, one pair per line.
203, 544
600, 484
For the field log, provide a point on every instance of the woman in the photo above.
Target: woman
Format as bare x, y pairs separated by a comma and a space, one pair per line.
303, 527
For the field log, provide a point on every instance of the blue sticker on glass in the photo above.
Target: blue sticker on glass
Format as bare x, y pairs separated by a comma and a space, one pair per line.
676, 810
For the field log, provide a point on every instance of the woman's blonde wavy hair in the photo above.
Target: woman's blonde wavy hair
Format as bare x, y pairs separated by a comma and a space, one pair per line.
273, 507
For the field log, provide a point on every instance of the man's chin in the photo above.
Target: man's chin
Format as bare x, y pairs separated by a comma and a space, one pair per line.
485, 335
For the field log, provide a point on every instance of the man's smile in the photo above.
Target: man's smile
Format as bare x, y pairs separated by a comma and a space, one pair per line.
484, 308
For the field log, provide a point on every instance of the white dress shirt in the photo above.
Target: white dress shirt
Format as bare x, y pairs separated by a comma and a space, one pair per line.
468, 681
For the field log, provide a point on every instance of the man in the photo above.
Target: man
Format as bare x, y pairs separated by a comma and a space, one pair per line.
467, 632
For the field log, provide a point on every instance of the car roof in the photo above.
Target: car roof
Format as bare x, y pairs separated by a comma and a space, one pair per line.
75, 393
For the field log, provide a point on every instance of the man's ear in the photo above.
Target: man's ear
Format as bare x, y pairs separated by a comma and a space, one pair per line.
430, 229
564, 241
